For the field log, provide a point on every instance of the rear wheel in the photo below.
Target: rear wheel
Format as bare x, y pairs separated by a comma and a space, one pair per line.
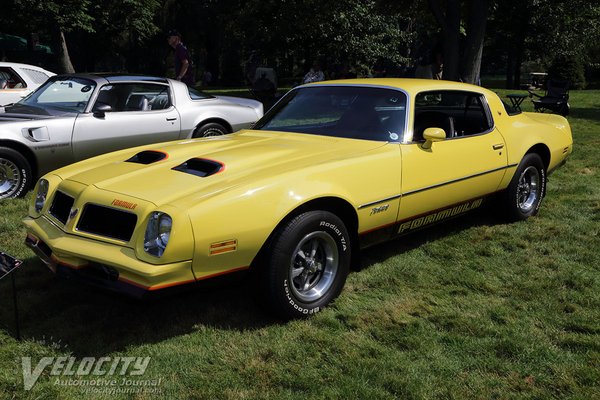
15, 174
307, 264
210, 129
524, 195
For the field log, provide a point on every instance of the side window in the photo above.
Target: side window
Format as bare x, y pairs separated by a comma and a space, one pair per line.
9, 79
458, 113
134, 97
36, 76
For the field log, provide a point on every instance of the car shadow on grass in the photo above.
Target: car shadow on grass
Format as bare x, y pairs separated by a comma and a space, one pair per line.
87, 321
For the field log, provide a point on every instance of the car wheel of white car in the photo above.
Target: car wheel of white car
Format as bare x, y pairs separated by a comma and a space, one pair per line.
527, 188
210, 129
307, 264
15, 174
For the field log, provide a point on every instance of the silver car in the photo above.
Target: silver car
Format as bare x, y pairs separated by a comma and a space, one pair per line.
73, 117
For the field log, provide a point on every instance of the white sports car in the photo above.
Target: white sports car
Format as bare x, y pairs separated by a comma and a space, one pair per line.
77, 116
18, 80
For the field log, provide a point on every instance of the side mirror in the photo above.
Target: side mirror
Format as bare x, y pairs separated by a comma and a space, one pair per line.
101, 109
433, 135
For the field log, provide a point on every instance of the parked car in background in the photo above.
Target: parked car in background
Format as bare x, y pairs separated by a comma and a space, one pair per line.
18, 80
73, 117
333, 167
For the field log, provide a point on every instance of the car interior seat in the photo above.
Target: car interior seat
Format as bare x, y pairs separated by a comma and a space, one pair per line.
160, 102
136, 102
433, 119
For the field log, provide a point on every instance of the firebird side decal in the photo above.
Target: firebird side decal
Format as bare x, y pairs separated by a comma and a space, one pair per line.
437, 216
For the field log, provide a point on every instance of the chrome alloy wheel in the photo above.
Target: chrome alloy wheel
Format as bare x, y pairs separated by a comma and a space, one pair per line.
10, 178
528, 189
313, 266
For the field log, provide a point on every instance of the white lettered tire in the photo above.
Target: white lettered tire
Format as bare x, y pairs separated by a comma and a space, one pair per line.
307, 264
524, 195
15, 174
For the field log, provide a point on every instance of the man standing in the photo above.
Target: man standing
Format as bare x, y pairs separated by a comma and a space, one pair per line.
184, 71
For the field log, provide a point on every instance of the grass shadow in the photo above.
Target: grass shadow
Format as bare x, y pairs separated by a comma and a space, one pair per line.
590, 114
381, 252
87, 321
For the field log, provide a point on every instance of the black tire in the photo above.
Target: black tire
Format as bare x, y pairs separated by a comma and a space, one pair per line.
299, 284
15, 174
210, 129
527, 188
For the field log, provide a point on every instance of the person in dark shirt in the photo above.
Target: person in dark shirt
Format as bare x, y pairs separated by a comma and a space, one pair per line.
183, 62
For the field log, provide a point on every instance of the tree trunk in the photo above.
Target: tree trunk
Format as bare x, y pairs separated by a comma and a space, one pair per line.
64, 60
478, 11
450, 24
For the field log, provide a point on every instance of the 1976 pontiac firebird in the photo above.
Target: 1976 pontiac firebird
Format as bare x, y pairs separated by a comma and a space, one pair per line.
331, 168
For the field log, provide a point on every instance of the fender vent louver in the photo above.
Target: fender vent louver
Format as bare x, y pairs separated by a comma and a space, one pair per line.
200, 167
147, 157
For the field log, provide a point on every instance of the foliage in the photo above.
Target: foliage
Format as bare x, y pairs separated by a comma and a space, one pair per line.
288, 35
569, 69
541, 30
104, 26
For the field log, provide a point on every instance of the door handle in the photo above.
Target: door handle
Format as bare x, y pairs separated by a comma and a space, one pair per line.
498, 146
172, 119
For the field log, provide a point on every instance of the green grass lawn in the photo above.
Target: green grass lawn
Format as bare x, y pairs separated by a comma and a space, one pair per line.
475, 308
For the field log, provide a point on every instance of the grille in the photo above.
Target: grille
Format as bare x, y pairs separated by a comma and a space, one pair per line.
109, 222
61, 206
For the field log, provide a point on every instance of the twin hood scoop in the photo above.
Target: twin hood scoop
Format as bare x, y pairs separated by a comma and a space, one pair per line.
201, 167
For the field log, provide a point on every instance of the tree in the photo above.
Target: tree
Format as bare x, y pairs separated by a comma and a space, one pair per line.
547, 31
130, 20
459, 53
59, 17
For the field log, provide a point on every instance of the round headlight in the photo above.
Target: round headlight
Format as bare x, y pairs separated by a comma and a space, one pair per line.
41, 195
157, 234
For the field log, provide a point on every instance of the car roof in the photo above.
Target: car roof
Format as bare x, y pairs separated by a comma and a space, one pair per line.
103, 77
409, 85
24, 66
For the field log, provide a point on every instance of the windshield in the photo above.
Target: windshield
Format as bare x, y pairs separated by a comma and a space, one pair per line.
356, 112
65, 94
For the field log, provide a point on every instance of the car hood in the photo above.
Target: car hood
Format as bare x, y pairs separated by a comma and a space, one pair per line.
229, 161
19, 112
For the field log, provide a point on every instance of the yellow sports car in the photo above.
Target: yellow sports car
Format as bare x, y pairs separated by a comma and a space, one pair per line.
331, 168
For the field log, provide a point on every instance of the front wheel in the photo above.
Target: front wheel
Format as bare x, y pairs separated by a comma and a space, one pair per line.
524, 195
307, 264
15, 174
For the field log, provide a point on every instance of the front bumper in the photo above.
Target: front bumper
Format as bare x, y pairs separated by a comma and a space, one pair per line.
106, 265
